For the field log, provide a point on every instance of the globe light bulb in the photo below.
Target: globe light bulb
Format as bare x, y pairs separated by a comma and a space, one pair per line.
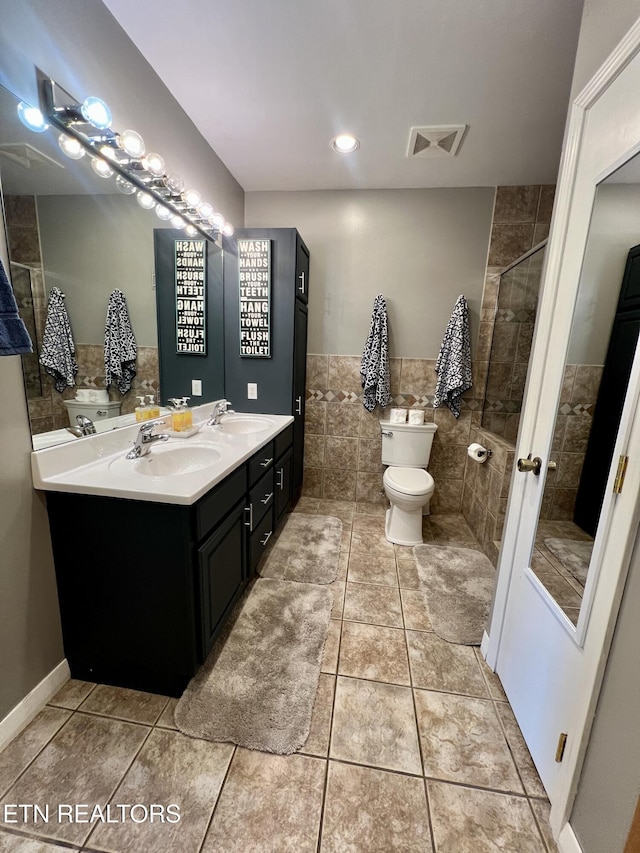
70, 146
96, 112
227, 229
154, 164
191, 230
31, 118
217, 220
205, 210
125, 187
177, 222
192, 198
101, 168
174, 183
145, 200
163, 213
131, 142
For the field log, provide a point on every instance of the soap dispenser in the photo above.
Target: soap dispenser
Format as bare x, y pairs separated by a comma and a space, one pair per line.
153, 407
187, 414
177, 415
141, 410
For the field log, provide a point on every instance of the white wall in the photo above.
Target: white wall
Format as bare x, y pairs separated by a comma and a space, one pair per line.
420, 248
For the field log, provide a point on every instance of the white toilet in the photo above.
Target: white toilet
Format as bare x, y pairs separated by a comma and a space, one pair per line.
406, 449
96, 411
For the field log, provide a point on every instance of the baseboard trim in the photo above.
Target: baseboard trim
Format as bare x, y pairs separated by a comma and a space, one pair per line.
484, 645
33, 703
567, 841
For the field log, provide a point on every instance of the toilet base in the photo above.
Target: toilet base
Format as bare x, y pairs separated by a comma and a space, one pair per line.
404, 527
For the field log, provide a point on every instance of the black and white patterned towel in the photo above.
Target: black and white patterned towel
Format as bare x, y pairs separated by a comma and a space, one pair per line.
374, 368
454, 360
120, 350
58, 351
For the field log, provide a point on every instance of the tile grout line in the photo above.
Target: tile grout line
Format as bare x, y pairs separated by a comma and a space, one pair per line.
215, 805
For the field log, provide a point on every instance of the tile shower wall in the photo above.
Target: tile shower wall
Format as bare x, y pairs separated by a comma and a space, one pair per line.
343, 442
46, 411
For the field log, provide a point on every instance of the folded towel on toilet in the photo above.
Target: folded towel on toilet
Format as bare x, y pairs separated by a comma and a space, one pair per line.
454, 360
14, 338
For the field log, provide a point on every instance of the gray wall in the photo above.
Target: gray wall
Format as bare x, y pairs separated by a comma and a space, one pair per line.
610, 780
614, 229
92, 244
79, 43
420, 248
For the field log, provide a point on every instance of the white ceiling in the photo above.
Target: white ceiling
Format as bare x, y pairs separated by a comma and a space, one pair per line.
270, 82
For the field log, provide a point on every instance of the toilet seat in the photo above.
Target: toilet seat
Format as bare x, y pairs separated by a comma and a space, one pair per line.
409, 481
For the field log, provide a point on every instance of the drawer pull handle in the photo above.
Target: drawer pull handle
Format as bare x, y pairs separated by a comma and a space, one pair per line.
266, 538
265, 500
249, 523
298, 405
301, 286
280, 474
266, 463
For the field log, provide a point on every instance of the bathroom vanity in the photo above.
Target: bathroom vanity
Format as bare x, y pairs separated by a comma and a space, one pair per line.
147, 582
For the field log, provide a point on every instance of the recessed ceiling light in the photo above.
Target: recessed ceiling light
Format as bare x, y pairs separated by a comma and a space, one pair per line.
345, 143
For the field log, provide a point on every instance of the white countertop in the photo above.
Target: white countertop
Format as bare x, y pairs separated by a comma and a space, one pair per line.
96, 464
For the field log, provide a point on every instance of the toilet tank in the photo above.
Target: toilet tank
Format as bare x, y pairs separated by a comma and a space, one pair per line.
95, 411
407, 445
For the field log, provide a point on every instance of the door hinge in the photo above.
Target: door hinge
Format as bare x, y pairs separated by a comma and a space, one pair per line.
618, 483
562, 742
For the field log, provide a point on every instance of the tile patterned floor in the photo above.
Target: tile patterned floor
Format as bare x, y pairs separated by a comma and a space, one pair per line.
566, 590
413, 745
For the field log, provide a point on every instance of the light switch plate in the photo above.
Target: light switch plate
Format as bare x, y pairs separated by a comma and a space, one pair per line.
252, 390
196, 387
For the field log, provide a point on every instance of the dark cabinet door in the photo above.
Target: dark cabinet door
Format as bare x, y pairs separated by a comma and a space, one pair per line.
283, 484
299, 393
259, 540
302, 270
221, 570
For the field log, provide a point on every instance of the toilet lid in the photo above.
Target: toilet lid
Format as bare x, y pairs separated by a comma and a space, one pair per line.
411, 481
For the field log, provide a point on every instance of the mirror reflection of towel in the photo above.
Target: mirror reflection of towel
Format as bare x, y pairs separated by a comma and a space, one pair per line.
120, 350
454, 360
58, 352
14, 338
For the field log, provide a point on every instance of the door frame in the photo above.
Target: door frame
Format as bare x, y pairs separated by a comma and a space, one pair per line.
602, 133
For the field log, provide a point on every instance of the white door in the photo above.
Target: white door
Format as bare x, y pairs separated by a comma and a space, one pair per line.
550, 654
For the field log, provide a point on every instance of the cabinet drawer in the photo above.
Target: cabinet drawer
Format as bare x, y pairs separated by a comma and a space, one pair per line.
261, 498
259, 463
283, 441
259, 540
213, 507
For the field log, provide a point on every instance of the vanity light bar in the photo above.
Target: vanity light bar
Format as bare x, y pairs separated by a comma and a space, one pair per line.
124, 155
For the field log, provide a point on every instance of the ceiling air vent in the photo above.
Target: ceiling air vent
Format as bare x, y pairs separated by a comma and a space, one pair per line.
438, 141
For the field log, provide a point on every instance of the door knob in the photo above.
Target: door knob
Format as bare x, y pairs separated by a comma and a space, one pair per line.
530, 465
534, 465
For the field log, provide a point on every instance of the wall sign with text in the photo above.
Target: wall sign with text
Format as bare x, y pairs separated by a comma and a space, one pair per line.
254, 278
191, 297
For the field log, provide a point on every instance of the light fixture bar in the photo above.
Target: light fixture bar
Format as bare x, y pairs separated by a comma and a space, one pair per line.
69, 119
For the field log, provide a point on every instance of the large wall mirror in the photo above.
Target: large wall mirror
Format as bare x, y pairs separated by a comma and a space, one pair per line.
68, 228
604, 334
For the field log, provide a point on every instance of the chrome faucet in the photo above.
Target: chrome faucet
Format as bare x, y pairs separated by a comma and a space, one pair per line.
85, 427
146, 437
220, 407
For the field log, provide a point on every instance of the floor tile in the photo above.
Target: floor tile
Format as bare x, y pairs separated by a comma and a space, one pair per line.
82, 764
171, 768
132, 705
496, 690
369, 524
343, 565
337, 509
374, 811
462, 741
521, 755
374, 652
331, 647
379, 605
338, 590
367, 544
166, 720
373, 569
466, 820
320, 732
414, 610
451, 529
541, 809
269, 803
10, 843
374, 724
72, 694
438, 665
19, 753
307, 505
368, 508
408, 574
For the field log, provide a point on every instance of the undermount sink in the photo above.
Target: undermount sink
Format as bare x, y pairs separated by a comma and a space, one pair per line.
242, 424
168, 461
